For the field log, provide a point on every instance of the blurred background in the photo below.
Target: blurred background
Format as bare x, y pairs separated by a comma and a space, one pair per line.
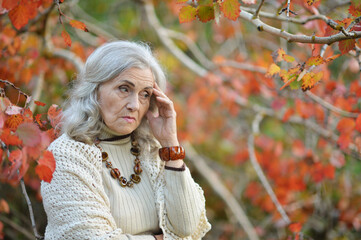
271, 162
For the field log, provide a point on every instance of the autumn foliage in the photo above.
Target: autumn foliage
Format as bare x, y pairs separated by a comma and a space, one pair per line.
252, 83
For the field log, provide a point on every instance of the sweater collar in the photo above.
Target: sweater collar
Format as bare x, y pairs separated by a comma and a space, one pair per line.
110, 136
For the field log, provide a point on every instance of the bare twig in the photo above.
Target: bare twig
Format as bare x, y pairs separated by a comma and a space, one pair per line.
259, 171
261, 26
258, 9
168, 43
17, 227
221, 190
243, 66
28, 202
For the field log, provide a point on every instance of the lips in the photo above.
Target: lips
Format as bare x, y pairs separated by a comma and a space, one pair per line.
129, 119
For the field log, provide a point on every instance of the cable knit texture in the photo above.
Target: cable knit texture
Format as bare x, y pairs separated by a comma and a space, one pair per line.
84, 202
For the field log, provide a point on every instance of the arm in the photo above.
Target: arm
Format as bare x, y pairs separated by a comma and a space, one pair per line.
184, 202
75, 202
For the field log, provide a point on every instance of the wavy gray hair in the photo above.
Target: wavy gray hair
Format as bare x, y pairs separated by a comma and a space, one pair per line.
81, 119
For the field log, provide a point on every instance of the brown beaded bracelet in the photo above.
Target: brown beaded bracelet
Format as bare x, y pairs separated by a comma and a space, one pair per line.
172, 153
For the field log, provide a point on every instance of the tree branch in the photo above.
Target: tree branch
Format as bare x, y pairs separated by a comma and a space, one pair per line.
256, 14
221, 190
261, 26
168, 43
259, 171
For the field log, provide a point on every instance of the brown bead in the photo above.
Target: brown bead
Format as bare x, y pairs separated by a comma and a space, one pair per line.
123, 181
137, 169
134, 143
135, 178
115, 173
135, 151
130, 184
136, 160
108, 164
104, 156
172, 153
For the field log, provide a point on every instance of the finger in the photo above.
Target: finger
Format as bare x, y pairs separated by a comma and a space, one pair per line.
159, 93
164, 100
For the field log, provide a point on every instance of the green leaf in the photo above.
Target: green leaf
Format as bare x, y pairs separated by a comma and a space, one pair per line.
356, 3
187, 14
295, 85
205, 13
231, 9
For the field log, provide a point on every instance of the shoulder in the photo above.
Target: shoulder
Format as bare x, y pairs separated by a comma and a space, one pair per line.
67, 149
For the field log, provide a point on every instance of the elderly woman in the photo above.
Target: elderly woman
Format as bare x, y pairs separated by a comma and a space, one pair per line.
119, 167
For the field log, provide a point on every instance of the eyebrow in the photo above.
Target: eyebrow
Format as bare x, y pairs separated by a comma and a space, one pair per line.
133, 85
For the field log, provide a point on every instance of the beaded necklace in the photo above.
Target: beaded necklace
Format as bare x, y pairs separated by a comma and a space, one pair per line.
115, 173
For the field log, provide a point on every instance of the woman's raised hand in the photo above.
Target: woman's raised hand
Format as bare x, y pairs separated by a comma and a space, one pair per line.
163, 123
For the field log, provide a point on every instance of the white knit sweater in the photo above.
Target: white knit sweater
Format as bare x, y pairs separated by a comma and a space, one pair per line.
84, 202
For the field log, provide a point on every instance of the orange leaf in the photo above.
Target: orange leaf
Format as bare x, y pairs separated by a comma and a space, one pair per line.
10, 4
231, 9
79, 25
14, 121
8, 138
4, 206
16, 159
344, 140
329, 171
66, 37
22, 13
310, 2
205, 13
315, 61
346, 45
39, 103
358, 123
354, 10
272, 70
54, 115
288, 114
346, 125
46, 166
187, 14
295, 227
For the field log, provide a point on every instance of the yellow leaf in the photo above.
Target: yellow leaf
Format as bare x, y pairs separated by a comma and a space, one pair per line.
272, 70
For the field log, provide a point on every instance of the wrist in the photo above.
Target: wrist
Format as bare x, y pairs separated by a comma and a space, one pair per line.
169, 143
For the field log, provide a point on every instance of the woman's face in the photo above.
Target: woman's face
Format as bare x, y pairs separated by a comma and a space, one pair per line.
125, 99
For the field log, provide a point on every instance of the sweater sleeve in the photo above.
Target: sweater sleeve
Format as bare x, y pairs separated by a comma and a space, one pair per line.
75, 202
183, 202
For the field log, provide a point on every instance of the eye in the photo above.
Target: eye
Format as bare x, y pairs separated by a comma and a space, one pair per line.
123, 89
146, 94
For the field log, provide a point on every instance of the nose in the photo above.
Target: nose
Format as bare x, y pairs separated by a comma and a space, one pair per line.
133, 103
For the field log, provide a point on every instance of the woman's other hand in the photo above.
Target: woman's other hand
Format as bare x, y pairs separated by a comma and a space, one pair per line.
163, 123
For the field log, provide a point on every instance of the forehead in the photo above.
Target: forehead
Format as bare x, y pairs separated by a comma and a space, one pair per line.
138, 76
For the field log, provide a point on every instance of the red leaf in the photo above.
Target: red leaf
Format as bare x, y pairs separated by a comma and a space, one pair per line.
295, 227
231, 9
8, 138
29, 133
54, 115
329, 171
66, 37
10, 4
39, 103
346, 125
14, 121
205, 13
355, 10
16, 159
187, 14
343, 141
79, 25
46, 166
358, 123
346, 45
21, 14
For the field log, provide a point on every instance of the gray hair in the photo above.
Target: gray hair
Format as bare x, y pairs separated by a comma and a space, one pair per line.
81, 119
